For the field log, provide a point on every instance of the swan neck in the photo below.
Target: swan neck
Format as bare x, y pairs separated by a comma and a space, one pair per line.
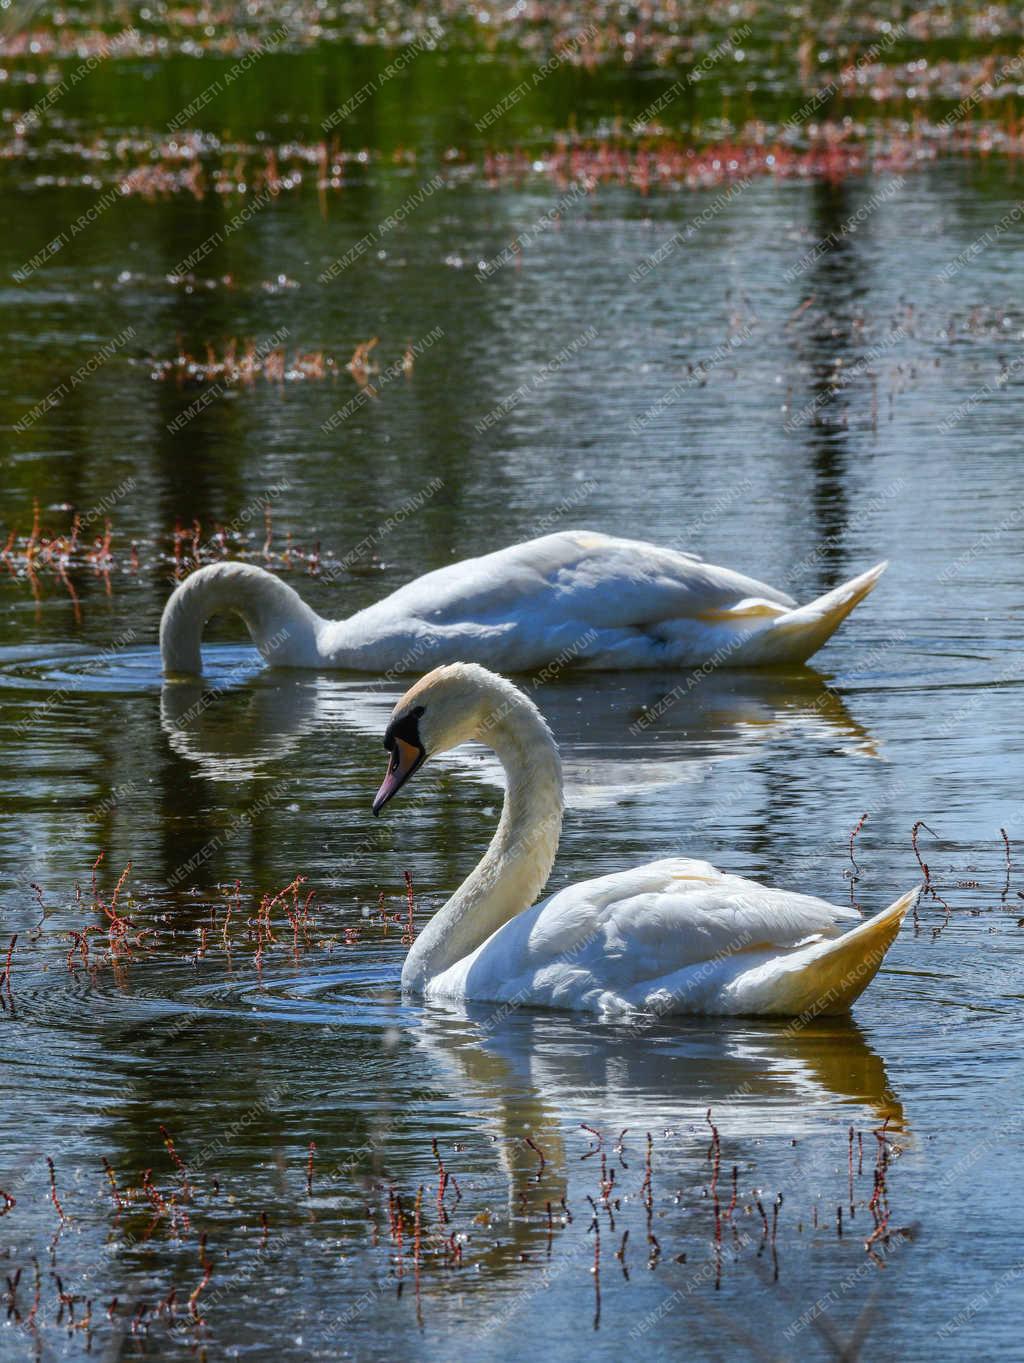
282, 626
518, 861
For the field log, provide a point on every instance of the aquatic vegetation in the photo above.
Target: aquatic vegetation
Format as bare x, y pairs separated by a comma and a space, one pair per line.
652, 157
243, 364
7, 1003
606, 32
697, 1203
180, 551
404, 1238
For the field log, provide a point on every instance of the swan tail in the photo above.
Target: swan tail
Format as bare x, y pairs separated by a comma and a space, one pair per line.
826, 978
794, 635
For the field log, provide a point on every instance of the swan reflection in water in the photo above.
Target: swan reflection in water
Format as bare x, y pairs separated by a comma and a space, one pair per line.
536, 1074
618, 733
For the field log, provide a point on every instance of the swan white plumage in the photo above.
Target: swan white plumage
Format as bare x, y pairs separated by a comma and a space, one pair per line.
579, 597
674, 936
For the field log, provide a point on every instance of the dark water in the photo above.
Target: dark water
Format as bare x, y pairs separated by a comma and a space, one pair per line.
912, 712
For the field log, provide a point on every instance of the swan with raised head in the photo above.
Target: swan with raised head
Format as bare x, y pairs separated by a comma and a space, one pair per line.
579, 597
674, 936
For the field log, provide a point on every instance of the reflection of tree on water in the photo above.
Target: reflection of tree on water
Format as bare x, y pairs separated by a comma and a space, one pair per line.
826, 347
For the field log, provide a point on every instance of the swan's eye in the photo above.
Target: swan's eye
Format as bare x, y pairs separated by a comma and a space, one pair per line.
406, 729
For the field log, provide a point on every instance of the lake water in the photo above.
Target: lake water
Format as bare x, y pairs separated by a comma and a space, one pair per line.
795, 411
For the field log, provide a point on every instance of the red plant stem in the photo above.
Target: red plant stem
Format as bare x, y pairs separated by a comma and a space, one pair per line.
5, 979
913, 838
194, 1295
30, 1321
176, 1158
597, 1274
600, 1140
152, 1193
735, 1191
37, 890
227, 918
309, 1169
1006, 849
645, 1187
714, 1150
409, 935
94, 866
81, 940
117, 888
715, 1154
764, 1218
53, 1190
111, 1179
539, 1153
853, 860
442, 1179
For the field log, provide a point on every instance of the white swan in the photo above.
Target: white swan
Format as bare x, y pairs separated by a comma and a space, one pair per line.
674, 936
577, 597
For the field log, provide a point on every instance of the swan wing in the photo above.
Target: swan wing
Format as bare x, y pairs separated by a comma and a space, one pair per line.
619, 940
577, 575
592, 600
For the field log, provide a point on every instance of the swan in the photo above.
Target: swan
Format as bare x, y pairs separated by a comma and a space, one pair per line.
573, 597
674, 936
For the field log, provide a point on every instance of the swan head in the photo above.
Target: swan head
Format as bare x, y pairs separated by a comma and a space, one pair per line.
450, 706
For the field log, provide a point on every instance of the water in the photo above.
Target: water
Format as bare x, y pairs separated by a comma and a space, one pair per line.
910, 713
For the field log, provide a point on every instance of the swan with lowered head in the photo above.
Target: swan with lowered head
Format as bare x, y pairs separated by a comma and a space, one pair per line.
577, 596
674, 936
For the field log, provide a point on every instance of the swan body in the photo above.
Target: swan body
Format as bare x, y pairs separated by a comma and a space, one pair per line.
675, 936
576, 597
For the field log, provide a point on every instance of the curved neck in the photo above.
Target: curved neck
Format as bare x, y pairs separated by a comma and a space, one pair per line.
516, 865
283, 627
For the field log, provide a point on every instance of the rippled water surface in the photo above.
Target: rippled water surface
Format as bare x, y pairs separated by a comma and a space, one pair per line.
796, 419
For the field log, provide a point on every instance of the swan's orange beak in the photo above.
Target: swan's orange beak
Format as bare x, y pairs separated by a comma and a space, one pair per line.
405, 758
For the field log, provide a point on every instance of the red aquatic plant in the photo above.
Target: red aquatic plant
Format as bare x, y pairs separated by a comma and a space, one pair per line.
176, 1159
1009, 864
112, 1180
53, 1190
857, 827
5, 978
409, 935
207, 1266
539, 1153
